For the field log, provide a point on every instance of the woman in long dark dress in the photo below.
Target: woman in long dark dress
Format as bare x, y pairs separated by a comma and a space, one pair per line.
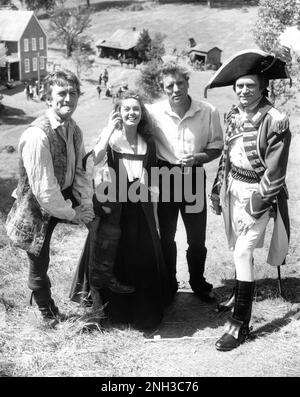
129, 149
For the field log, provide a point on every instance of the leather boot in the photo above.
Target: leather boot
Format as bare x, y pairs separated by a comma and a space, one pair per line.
49, 311
116, 286
95, 320
237, 329
104, 246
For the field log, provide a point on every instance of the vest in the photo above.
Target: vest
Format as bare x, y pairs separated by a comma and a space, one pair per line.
27, 221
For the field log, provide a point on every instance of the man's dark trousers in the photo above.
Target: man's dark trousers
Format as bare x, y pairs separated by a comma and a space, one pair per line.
38, 280
195, 226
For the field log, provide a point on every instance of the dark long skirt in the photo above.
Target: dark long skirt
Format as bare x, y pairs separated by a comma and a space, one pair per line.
139, 263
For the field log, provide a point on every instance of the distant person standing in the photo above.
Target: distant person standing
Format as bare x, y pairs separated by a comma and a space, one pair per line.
26, 90
52, 187
99, 91
108, 93
30, 89
100, 79
105, 77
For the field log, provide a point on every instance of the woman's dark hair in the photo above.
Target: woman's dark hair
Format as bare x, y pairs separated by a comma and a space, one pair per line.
144, 127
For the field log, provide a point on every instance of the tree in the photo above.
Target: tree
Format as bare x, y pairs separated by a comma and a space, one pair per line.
69, 25
39, 4
143, 45
148, 81
157, 48
4, 2
150, 49
82, 60
273, 17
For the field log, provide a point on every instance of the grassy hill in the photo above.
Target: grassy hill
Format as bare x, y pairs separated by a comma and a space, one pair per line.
228, 29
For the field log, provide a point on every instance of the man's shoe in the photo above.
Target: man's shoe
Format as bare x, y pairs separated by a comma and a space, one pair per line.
53, 321
236, 334
119, 288
50, 322
206, 296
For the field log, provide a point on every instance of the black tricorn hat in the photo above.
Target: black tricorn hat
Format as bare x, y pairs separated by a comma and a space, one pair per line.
246, 62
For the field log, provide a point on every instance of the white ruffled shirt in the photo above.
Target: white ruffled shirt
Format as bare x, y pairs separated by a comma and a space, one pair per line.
134, 167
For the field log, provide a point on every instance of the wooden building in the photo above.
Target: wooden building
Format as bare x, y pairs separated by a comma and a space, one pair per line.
26, 44
206, 55
121, 43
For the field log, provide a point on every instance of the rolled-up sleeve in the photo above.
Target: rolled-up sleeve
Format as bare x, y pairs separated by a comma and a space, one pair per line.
215, 136
82, 185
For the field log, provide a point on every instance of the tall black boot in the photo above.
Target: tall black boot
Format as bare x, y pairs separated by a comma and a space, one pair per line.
94, 321
47, 307
228, 303
104, 242
238, 325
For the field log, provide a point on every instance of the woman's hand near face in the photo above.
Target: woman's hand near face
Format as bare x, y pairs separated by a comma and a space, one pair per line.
101, 146
114, 121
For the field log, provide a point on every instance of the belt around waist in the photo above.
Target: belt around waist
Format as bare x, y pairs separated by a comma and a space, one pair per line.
244, 175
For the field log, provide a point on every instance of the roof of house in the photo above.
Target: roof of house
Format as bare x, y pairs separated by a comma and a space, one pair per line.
122, 39
13, 23
202, 48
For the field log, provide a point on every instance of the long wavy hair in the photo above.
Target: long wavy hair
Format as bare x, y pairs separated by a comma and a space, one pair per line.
145, 125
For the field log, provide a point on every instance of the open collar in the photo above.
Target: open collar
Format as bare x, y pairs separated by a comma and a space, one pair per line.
194, 108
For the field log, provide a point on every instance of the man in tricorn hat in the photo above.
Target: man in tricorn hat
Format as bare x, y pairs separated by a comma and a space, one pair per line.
250, 184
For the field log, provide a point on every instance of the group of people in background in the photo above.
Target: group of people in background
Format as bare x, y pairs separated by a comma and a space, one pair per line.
34, 90
127, 269
103, 83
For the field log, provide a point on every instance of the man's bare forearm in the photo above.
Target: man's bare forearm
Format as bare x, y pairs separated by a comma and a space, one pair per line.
207, 155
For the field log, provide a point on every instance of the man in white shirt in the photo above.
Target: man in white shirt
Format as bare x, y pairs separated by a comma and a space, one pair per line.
188, 134
53, 186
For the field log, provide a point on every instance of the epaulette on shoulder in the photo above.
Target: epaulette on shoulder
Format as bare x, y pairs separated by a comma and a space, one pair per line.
280, 121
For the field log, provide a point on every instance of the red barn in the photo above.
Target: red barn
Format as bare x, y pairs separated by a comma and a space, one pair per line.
26, 43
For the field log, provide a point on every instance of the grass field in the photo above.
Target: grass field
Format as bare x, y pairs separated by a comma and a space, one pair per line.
190, 327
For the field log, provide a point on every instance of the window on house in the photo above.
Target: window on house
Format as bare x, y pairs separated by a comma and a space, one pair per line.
27, 65
34, 64
33, 44
26, 45
41, 43
42, 63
